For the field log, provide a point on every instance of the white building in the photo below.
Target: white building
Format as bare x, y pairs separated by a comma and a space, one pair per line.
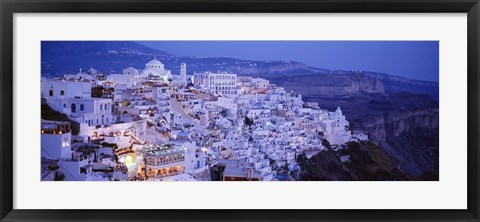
90, 75
126, 80
155, 68
130, 77
336, 128
166, 160
130, 71
75, 168
52, 88
183, 73
224, 84
131, 126
162, 97
261, 83
181, 80
56, 140
92, 111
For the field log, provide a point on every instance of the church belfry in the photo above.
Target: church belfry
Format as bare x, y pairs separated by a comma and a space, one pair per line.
183, 74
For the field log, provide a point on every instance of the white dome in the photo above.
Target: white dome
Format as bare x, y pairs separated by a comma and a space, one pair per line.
154, 62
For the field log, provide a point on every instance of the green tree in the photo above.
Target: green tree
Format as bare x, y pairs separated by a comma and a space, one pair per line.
248, 121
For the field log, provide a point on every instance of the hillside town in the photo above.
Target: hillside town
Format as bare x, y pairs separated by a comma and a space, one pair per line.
152, 124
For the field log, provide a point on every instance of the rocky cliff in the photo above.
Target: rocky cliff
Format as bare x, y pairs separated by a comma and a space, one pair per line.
329, 85
402, 146
405, 125
394, 83
412, 137
366, 162
396, 123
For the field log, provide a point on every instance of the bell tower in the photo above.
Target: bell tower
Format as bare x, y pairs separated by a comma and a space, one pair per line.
183, 74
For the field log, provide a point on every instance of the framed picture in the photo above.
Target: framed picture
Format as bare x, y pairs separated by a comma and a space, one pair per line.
230, 110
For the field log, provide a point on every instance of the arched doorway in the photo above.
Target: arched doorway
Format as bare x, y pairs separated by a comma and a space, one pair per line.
180, 169
164, 171
74, 108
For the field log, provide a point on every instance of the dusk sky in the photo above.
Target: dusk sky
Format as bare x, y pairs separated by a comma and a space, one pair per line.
412, 59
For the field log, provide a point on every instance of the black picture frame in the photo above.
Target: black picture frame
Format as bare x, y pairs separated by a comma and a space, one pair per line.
9, 7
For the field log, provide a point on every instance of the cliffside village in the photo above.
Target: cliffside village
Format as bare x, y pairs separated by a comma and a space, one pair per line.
151, 125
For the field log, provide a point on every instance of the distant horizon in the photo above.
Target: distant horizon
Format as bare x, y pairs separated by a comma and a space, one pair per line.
417, 60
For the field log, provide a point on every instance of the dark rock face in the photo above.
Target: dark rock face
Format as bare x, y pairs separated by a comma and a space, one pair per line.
408, 129
396, 84
404, 125
368, 162
412, 138
329, 84
324, 166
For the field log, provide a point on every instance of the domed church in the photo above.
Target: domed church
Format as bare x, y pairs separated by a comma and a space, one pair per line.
155, 68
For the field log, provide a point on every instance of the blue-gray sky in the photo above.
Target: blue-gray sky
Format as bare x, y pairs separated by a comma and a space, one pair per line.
412, 59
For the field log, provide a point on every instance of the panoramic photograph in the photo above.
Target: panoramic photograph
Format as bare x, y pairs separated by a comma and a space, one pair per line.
239, 111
